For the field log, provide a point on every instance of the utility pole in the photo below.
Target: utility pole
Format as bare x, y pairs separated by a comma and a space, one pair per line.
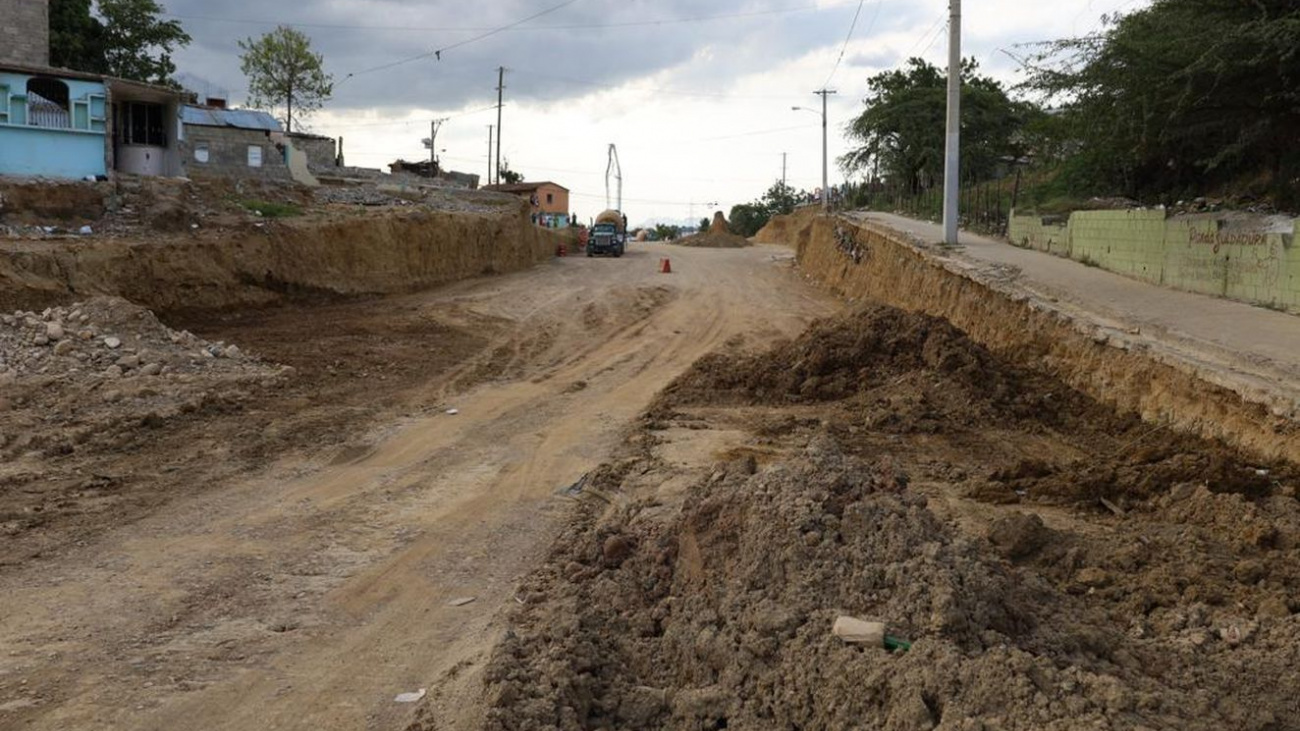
826, 194
489, 177
501, 86
432, 142
783, 170
952, 151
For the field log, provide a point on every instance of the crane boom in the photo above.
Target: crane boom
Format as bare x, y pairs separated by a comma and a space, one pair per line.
617, 170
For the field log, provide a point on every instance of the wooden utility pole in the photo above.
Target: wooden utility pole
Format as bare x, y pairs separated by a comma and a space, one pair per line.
501, 87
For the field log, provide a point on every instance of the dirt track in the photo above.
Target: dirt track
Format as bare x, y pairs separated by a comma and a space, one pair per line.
307, 593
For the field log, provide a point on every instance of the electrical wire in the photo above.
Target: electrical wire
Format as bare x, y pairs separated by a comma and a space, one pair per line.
475, 29
408, 121
657, 90
848, 38
437, 53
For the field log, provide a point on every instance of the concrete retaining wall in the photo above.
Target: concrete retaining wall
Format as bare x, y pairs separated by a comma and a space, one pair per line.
1236, 258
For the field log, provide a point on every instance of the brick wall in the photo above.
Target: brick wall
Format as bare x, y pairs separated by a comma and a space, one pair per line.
228, 154
1245, 260
25, 32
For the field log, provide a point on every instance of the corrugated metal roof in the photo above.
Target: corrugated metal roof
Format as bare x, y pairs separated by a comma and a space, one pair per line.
238, 118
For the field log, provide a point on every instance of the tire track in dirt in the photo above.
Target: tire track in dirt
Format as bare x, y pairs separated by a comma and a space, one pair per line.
307, 596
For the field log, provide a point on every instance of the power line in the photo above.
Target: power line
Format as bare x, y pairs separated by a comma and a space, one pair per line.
356, 125
657, 90
437, 53
475, 29
848, 38
941, 21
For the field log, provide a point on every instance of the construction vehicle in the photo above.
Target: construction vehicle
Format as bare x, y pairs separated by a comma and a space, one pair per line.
608, 235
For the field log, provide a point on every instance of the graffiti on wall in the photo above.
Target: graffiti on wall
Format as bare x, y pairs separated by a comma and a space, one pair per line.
1218, 239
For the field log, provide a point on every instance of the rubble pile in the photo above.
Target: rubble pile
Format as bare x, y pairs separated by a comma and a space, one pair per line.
106, 337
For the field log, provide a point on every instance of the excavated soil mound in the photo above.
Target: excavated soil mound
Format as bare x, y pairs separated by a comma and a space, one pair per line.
719, 224
713, 240
722, 618
1170, 605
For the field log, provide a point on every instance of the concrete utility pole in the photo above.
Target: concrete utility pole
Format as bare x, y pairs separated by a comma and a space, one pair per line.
489, 177
783, 170
952, 152
501, 86
826, 194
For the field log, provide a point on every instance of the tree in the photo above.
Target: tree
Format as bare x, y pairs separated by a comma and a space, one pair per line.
705, 223
505, 173
130, 42
747, 218
283, 73
902, 129
76, 37
664, 232
1180, 95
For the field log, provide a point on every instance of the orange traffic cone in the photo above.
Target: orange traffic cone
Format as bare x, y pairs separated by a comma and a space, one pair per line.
665, 266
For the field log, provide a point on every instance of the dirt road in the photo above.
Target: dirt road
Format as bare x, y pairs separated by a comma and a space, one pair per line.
311, 592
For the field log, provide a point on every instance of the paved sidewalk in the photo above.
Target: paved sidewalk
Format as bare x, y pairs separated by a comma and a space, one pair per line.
1255, 347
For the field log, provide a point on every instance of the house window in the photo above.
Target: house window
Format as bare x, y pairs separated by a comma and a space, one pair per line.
201, 152
47, 103
550, 198
255, 156
141, 123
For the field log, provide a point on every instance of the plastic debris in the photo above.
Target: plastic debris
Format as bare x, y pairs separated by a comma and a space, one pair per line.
411, 697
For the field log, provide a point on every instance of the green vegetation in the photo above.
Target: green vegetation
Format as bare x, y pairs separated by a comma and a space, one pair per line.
271, 209
747, 218
510, 177
1177, 98
1175, 101
130, 42
284, 73
900, 134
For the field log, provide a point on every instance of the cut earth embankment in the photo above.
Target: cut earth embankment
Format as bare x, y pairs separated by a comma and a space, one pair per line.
374, 252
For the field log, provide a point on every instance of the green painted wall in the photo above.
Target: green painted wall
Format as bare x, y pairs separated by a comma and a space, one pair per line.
1204, 255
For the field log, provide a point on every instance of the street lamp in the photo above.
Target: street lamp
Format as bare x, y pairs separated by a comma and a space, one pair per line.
823, 93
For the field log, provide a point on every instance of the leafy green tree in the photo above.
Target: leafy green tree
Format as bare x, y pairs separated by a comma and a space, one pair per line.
137, 44
1178, 96
902, 129
76, 37
131, 41
509, 176
664, 232
780, 199
705, 223
284, 73
747, 218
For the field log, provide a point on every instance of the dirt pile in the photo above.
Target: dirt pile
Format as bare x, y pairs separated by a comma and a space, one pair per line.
83, 385
722, 618
1169, 604
719, 224
711, 240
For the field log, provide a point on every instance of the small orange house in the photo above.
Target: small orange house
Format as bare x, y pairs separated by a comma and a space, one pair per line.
550, 201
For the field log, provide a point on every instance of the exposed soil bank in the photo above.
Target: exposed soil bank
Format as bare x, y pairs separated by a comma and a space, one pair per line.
866, 262
382, 252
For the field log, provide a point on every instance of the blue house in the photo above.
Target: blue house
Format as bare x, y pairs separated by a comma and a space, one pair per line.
58, 123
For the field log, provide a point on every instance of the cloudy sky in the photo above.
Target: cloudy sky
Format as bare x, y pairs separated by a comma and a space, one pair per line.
696, 95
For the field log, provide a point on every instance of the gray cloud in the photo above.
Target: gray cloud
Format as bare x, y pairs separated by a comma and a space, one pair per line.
548, 63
